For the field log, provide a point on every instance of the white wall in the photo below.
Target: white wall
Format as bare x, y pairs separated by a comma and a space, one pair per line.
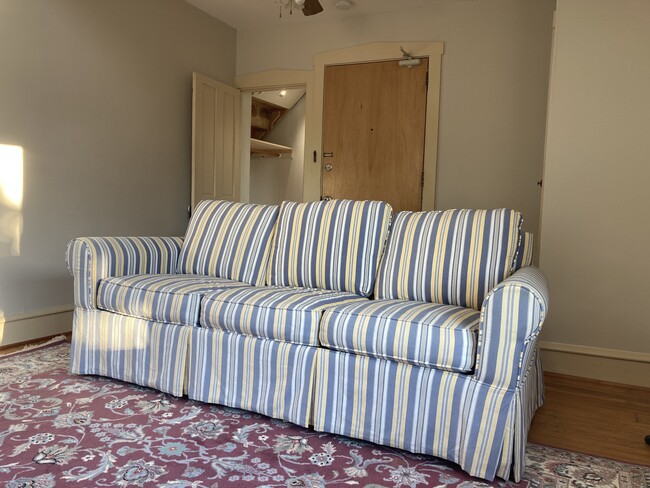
596, 209
274, 180
98, 93
493, 94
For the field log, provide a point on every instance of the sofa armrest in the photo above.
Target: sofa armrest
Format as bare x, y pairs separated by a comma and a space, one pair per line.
511, 319
91, 259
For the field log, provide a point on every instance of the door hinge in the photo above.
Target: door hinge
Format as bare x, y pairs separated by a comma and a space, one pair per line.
422, 180
426, 80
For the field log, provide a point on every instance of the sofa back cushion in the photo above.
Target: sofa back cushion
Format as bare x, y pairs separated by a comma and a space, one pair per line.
525, 251
333, 245
228, 240
452, 257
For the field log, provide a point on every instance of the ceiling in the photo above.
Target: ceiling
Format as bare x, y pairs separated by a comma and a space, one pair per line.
241, 14
283, 98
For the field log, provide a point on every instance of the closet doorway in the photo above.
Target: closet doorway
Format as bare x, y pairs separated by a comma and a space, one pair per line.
277, 141
275, 132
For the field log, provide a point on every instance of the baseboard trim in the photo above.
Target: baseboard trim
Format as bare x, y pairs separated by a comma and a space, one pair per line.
613, 365
639, 357
37, 324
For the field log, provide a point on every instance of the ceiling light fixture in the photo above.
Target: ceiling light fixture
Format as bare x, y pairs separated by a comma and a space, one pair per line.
282, 93
308, 7
291, 5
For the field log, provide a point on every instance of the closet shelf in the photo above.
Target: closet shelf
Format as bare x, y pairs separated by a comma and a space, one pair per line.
264, 149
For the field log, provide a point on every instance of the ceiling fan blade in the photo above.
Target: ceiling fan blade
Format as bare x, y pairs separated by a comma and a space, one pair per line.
312, 7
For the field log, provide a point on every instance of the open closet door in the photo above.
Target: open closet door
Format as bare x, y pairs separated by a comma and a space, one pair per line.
215, 140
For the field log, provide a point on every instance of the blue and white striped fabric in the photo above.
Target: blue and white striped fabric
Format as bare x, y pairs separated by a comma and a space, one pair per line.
173, 299
525, 251
229, 240
423, 410
511, 318
284, 314
478, 421
129, 349
333, 245
273, 378
424, 334
527, 399
91, 259
454, 257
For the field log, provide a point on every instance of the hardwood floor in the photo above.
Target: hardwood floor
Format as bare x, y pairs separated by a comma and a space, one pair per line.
594, 417
588, 416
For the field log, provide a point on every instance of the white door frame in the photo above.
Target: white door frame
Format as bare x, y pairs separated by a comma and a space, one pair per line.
275, 80
379, 51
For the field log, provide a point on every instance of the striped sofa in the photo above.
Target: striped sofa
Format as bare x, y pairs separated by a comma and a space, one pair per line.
414, 330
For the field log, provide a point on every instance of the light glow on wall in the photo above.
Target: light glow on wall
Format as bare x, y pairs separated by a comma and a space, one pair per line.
11, 199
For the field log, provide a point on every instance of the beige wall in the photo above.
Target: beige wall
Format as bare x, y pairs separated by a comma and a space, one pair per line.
98, 93
596, 209
493, 95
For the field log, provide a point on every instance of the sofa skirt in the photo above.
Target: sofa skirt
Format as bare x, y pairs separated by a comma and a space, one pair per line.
423, 410
270, 377
528, 398
130, 349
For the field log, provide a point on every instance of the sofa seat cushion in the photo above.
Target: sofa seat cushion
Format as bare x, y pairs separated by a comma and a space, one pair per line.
280, 313
424, 334
168, 298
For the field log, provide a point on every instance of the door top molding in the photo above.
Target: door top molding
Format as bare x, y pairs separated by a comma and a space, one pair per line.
377, 51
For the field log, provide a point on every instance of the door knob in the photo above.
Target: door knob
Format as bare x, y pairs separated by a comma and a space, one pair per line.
326, 198
329, 167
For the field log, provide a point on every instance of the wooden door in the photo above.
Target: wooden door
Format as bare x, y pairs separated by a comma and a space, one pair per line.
215, 140
374, 118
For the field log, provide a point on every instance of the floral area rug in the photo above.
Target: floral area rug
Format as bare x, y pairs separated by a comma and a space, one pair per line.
58, 429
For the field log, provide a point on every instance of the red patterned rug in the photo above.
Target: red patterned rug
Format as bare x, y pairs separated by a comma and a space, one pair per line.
58, 429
